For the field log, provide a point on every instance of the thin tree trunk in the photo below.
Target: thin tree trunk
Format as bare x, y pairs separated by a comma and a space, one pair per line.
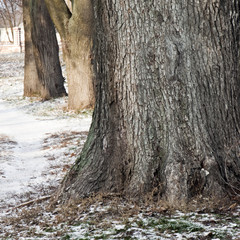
167, 114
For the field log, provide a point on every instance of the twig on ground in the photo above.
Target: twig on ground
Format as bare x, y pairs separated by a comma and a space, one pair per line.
31, 202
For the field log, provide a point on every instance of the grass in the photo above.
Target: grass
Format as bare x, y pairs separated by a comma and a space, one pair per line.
49, 229
77, 220
105, 217
224, 235
66, 237
179, 226
169, 225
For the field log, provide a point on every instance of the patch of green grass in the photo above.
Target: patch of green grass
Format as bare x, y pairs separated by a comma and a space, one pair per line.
117, 231
66, 237
177, 226
140, 224
236, 220
86, 234
49, 229
221, 235
155, 223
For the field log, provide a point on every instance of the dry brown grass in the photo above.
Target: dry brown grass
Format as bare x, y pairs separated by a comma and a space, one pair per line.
6, 140
98, 210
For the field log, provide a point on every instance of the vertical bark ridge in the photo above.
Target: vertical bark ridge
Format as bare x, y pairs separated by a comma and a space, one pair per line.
167, 100
76, 31
32, 85
46, 52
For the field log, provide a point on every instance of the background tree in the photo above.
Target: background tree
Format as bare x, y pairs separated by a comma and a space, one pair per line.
46, 51
32, 84
43, 57
69, 4
76, 31
167, 114
10, 16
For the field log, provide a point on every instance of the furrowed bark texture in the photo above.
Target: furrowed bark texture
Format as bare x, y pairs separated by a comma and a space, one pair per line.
167, 114
32, 85
76, 31
46, 50
79, 56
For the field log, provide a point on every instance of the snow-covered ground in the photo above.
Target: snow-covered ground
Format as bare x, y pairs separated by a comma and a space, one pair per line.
38, 143
27, 125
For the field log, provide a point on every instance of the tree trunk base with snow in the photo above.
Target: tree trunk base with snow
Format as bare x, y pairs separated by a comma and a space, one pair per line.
167, 116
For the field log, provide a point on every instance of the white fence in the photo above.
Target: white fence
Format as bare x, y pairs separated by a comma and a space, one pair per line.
18, 44
11, 42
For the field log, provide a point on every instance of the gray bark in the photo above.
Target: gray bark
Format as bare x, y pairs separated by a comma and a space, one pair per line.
167, 114
32, 85
46, 51
42, 71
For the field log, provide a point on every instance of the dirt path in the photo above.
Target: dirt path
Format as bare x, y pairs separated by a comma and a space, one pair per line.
21, 167
25, 163
38, 140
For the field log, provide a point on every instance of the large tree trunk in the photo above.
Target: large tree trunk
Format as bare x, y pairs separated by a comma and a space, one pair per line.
43, 74
46, 51
76, 33
167, 114
32, 85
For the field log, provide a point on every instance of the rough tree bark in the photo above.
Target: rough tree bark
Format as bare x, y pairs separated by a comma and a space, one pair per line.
76, 30
32, 85
43, 74
167, 114
46, 51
